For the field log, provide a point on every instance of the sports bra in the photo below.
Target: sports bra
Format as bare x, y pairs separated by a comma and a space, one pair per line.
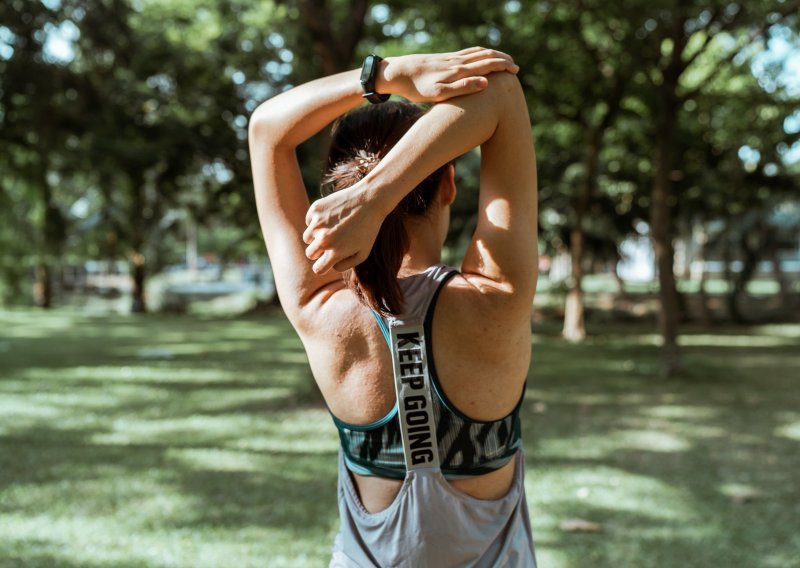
466, 447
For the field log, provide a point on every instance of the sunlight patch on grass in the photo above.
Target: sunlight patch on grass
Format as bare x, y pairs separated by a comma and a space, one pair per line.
677, 411
791, 330
779, 559
604, 444
212, 459
739, 490
654, 441
648, 339
18, 413
239, 400
129, 373
309, 431
682, 423
289, 445
791, 431
14, 407
708, 340
185, 347
99, 541
21, 325
582, 447
96, 396
612, 398
606, 494
194, 428
143, 375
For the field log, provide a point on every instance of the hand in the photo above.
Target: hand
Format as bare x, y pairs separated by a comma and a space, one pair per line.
341, 228
436, 77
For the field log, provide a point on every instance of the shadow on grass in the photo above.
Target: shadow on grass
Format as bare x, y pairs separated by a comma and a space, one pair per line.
222, 496
707, 439
682, 472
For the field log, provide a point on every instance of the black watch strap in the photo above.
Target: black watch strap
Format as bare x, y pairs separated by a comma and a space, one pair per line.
376, 98
369, 72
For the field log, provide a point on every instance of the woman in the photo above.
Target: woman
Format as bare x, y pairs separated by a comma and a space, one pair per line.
431, 466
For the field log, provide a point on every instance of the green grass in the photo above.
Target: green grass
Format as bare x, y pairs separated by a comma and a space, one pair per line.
202, 442
605, 284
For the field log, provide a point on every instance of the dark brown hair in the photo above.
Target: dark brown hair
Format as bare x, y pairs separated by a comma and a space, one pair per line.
359, 140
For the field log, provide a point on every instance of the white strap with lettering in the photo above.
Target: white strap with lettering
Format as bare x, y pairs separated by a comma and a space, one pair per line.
412, 384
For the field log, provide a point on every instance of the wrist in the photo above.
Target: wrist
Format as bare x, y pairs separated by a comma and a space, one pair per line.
380, 194
387, 74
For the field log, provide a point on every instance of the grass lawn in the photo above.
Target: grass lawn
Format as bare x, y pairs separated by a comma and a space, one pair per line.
202, 442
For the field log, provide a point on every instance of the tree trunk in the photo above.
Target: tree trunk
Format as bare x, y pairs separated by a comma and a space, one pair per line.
621, 292
53, 235
661, 235
749, 265
728, 275
705, 310
191, 245
43, 286
777, 273
138, 303
334, 43
574, 325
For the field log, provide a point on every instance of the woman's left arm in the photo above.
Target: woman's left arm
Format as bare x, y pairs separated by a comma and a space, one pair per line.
282, 123
276, 128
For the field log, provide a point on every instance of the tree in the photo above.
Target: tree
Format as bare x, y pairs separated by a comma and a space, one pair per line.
679, 36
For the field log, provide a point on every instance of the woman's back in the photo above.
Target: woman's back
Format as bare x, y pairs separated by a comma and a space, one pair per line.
480, 355
483, 518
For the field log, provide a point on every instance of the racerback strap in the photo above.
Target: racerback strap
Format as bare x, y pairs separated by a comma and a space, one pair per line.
413, 386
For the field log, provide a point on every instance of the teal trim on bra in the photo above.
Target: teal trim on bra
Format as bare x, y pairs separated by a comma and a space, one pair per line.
361, 427
373, 470
384, 328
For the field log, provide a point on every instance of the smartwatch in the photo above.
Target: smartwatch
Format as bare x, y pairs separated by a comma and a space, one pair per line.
369, 71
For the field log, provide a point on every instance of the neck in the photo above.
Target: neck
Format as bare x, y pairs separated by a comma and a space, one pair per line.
425, 247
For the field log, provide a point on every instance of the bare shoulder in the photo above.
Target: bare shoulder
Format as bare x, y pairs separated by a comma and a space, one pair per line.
333, 318
346, 352
484, 309
481, 346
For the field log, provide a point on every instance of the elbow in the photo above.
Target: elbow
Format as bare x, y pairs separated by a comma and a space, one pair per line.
503, 82
505, 88
264, 127
260, 123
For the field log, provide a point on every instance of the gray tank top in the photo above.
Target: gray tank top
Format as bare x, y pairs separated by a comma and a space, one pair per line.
430, 523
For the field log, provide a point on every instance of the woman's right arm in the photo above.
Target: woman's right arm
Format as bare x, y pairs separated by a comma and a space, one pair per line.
503, 255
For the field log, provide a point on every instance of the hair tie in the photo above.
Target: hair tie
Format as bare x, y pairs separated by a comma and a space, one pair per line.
365, 164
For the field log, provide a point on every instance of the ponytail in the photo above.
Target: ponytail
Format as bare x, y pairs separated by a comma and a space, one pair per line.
360, 139
375, 279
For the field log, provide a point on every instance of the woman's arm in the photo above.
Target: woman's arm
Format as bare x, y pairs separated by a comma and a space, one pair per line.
503, 253
280, 124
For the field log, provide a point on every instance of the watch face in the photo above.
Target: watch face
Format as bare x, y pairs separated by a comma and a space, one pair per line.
366, 70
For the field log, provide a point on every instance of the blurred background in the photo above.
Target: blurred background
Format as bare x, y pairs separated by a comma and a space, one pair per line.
155, 406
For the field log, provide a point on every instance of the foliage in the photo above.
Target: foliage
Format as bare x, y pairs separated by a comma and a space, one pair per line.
124, 122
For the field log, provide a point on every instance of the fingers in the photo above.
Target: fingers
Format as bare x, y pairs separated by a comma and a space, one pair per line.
347, 263
314, 250
486, 66
324, 263
483, 53
469, 50
311, 214
463, 87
